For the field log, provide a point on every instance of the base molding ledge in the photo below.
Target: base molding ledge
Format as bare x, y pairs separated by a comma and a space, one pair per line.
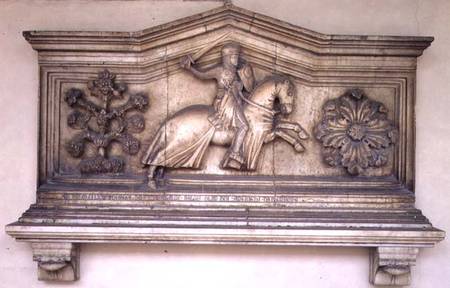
57, 261
391, 266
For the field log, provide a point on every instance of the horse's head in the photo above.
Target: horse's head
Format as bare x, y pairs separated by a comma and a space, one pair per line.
274, 90
285, 94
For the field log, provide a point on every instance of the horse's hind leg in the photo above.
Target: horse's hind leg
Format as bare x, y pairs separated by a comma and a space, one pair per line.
155, 176
153, 155
151, 176
159, 176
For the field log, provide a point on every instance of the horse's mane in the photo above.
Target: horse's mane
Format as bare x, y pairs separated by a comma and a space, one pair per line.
277, 79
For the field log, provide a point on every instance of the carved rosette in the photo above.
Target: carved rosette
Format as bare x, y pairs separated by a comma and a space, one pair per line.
102, 124
355, 132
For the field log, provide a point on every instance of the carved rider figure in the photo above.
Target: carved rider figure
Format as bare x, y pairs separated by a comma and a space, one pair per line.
234, 80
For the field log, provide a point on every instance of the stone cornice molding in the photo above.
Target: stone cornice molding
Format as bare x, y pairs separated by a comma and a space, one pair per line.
232, 18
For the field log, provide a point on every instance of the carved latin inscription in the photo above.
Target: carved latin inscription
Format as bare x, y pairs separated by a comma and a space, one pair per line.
101, 124
355, 132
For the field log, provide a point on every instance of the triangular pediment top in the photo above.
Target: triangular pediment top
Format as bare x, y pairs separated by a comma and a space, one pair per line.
228, 15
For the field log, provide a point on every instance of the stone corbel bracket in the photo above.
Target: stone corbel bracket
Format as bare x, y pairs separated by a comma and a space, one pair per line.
391, 266
57, 261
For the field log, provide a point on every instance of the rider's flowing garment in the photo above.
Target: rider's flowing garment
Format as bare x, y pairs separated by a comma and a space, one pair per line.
182, 154
177, 144
261, 124
224, 117
190, 157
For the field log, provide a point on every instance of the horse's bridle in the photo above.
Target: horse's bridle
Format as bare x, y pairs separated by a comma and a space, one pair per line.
250, 102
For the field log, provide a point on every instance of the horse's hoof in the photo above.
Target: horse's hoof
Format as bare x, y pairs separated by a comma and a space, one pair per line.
303, 135
152, 184
299, 147
160, 182
236, 157
230, 163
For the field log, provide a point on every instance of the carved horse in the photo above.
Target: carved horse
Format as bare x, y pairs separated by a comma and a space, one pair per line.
182, 140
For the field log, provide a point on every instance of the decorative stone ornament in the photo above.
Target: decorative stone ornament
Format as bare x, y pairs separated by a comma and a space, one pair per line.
234, 96
104, 132
391, 266
355, 132
56, 261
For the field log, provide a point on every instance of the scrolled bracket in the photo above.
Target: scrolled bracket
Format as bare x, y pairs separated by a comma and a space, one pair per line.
57, 261
391, 266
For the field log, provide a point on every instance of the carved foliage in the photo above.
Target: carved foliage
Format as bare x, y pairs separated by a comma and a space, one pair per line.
355, 132
102, 124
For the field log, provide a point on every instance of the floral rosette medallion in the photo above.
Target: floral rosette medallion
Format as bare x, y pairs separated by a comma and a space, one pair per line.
355, 132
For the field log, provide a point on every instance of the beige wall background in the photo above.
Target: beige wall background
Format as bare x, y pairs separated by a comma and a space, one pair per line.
221, 266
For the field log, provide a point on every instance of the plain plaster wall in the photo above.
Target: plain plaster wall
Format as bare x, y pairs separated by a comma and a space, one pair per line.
221, 266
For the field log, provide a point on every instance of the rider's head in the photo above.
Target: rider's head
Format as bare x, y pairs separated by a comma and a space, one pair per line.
230, 53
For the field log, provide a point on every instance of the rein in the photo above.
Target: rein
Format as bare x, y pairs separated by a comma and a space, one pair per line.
250, 102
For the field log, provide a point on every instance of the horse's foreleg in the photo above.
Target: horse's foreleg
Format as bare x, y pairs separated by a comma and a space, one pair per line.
290, 139
294, 127
295, 142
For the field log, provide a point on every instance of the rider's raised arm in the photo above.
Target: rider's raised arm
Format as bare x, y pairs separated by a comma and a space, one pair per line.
210, 73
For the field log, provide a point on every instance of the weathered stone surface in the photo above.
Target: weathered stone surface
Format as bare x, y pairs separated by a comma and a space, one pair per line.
57, 261
286, 198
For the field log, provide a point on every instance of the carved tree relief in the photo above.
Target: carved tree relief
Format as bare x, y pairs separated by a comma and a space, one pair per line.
103, 124
355, 132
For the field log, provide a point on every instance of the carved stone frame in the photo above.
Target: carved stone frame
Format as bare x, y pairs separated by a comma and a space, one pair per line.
363, 212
